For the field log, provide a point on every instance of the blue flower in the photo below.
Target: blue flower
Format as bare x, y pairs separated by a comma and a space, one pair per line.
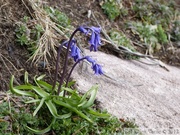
95, 40
96, 67
75, 51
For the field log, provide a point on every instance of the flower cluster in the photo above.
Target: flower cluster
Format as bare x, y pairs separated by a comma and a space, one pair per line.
94, 42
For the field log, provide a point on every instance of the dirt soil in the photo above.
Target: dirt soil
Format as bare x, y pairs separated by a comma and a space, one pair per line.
149, 94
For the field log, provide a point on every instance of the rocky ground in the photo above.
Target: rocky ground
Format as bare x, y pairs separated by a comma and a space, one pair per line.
148, 94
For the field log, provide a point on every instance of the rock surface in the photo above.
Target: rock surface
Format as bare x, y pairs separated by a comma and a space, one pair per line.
148, 94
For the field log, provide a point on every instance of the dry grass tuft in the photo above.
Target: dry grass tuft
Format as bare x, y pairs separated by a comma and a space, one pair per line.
45, 48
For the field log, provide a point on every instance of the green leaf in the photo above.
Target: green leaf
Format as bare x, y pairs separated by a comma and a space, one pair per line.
53, 110
82, 103
68, 89
19, 92
26, 78
35, 80
40, 132
24, 87
72, 109
71, 83
39, 91
72, 100
39, 106
103, 115
40, 77
93, 92
33, 101
87, 93
45, 85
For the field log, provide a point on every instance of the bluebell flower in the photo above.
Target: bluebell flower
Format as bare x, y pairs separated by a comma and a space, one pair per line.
96, 67
95, 40
75, 51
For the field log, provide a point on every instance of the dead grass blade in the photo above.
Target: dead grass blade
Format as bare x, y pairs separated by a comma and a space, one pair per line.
45, 48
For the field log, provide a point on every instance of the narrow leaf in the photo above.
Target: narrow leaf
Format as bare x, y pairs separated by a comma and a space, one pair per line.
39, 91
68, 89
19, 92
32, 101
87, 93
39, 106
72, 109
40, 132
53, 110
24, 87
40, 77
45, 85
71, 83
82, 103
26, 81
103, 115
90, 102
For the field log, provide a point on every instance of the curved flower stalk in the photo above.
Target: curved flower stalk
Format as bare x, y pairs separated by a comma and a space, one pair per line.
75, 52
96, 67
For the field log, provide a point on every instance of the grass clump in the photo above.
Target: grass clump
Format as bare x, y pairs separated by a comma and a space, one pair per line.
60, 18
27, 35
120, 38
159, 13
114, 9
153, 24
155, 12
41, 32
153, 36
161, 35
